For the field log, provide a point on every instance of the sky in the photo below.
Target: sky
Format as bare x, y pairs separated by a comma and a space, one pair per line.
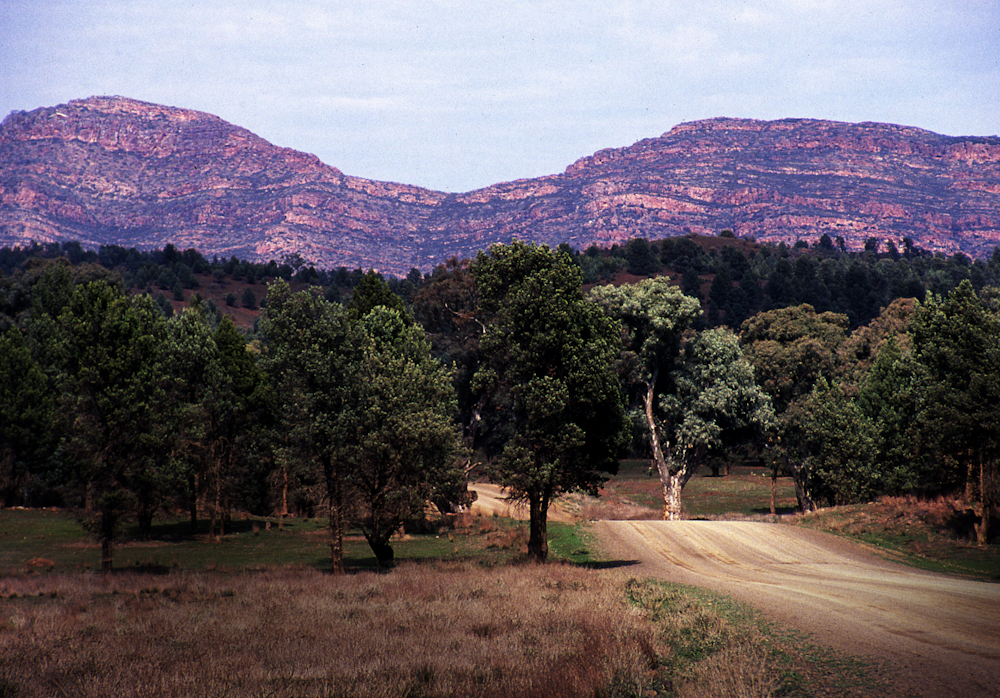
456, 95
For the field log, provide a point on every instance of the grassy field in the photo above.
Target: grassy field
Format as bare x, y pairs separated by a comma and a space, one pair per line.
257, 614
430, 628
635, 493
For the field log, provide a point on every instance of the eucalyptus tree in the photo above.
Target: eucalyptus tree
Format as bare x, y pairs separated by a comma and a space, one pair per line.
111, 350
696, 391
654, 316
791, 349
555, 418
835, 446
220, 401
312, 353
404, 442
713, 402
956, 341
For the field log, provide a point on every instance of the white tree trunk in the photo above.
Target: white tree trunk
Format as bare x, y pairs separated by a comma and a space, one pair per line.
672, 477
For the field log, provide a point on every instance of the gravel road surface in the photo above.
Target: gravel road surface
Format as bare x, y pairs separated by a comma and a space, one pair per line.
940, 633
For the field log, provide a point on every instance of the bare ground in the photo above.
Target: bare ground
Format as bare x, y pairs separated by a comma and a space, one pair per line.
491, 499
941, 635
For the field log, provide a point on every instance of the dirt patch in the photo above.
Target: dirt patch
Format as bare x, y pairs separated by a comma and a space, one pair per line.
491, 500
941, 634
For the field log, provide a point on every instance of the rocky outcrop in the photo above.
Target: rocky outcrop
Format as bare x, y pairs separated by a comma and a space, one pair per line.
110, 170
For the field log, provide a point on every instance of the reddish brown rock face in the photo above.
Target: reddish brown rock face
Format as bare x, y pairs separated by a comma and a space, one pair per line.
109, 170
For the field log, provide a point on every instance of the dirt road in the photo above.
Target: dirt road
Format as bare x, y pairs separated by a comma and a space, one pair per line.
941, 633
490, 500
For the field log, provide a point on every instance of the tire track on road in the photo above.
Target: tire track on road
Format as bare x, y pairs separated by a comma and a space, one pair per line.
941, 633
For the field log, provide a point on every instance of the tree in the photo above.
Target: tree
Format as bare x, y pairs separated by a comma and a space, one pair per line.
694, 394
957, 342
791, 349
243, 416
447, 307
27, 404
248, 299
111, 354
312, 352
654, 316
372, 291
891, 395
556, 421
642, 260
834, 445
714, 401
401, 414
220, 401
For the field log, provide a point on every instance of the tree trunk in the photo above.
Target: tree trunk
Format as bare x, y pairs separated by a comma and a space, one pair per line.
985, 505
384, 554
216, 504
193, 501
109, 521
659, 461
284, 491
107, 555
538, 542
806, 502
774, 490
672, 496
333, 496
145, 519
983, 527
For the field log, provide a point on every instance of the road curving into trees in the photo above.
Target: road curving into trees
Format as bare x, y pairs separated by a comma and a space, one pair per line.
940, 634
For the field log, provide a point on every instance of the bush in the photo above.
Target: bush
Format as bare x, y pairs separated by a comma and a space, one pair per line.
249, 299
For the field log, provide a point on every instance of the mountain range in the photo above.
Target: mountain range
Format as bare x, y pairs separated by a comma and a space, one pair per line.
113, 170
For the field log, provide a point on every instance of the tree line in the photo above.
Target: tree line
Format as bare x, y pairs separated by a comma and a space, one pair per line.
368, 410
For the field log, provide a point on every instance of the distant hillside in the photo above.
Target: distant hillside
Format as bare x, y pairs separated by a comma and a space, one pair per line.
110, 170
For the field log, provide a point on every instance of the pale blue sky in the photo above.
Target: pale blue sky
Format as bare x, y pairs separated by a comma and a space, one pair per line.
459, 94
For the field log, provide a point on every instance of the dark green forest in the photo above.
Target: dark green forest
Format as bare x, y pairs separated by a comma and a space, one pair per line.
130, 388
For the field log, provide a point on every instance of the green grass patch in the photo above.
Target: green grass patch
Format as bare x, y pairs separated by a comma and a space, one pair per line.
745, 492
571, 543
34, 540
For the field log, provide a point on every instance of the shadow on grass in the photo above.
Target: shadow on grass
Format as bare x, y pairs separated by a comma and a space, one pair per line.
780, 511
606, 564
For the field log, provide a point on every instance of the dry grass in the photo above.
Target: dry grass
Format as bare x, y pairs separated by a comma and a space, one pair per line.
441, 630
934, 533
744, 669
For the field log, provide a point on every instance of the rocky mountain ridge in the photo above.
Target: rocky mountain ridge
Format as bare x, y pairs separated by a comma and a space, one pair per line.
111, 170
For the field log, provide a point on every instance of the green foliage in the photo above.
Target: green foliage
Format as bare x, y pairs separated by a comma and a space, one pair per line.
957, 343
792, 348
835, 444
312, 351
715, 401
111, 355
694, 400
401, 414
654, 315
372, 292
27, 404
641, 257
365, 409
891, 396
556, 422
447, 307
